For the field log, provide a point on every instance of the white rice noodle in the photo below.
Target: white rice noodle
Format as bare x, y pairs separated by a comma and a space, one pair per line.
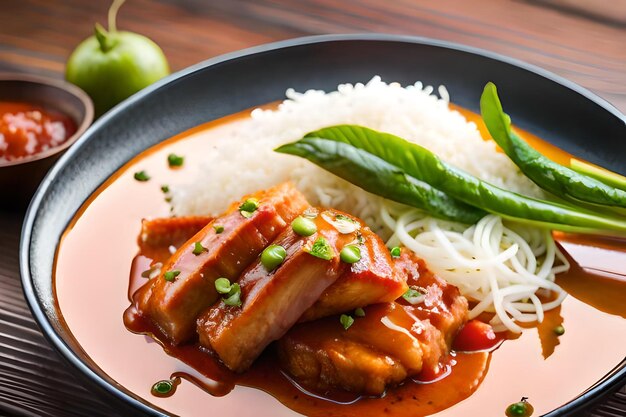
500, 266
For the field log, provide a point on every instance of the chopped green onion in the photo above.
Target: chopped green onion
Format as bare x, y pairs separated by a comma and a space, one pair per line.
233, 298
218, 229
395, 252
250, 205
303, 226
171, 275
520, 409
321, 249
559, 330
175, 160
165, 188
198, 248
346, 321
359, 312
273, 256
142, 176
350, 254
168, 199
413, 296
162, 388
222, 285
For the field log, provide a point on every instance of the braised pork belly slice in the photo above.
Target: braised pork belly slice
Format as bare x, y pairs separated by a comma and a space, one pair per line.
391, 342
274, 300
159, 235
371, 280
441, 303
375, 351
223, 248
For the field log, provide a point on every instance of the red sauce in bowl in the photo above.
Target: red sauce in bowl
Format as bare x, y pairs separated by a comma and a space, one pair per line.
27, 129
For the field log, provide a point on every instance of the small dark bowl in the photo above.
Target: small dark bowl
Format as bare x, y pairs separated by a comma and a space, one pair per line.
19, 179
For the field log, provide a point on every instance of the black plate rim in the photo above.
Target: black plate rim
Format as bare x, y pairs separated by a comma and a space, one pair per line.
608, 384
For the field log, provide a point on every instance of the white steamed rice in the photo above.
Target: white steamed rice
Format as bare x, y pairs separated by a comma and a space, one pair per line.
414, 113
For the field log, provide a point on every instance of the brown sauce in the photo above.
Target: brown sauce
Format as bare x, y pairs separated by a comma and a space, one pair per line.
460, 375
92, 289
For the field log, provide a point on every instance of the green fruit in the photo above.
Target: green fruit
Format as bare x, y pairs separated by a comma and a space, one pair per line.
112, 66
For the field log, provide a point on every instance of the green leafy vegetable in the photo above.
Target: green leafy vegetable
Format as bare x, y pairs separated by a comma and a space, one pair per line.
375, 175
555, 178
364, 157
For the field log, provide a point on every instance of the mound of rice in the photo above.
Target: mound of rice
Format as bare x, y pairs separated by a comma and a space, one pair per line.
414, 113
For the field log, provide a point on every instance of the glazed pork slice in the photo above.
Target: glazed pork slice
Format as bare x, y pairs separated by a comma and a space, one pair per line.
274, 300
441, 303
391, 342
371, 280
174, 299
375, 351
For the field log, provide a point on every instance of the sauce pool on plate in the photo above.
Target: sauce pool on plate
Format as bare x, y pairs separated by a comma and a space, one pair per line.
27, 129
539, 364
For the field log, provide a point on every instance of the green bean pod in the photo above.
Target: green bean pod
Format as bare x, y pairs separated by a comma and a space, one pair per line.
338, 147
555, 178
381, 178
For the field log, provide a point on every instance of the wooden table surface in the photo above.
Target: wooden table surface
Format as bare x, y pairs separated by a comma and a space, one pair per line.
36, 36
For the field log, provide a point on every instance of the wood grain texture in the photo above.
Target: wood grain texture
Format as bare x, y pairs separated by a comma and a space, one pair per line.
33, 379
37, 36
